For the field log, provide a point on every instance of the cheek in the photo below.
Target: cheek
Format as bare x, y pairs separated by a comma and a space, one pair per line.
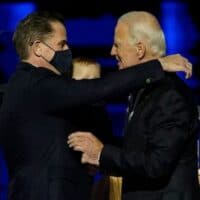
49, 55
131, 59
127, 60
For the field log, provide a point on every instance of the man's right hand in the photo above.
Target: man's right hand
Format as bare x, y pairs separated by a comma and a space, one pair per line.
176, 63
88, 144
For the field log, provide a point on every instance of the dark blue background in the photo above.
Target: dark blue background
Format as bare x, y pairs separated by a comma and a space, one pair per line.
90, 33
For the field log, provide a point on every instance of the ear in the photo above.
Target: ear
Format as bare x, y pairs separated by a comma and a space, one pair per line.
140, 50
37, 48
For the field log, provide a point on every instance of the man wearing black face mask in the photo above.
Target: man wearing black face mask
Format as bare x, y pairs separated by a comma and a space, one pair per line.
62, 60
35, 113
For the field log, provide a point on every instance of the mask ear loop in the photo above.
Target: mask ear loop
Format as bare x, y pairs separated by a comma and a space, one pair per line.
49, 61
49, 46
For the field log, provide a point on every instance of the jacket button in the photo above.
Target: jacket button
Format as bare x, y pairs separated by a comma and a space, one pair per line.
148, 80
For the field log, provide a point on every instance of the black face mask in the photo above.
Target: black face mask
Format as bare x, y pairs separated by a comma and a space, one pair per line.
62, 61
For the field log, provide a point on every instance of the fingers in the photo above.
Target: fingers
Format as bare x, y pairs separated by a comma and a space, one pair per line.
88, 159
186, 66
76, 138
188, 72
83, 141
88, 144
176, 63
78, 144
79, 134
75, 141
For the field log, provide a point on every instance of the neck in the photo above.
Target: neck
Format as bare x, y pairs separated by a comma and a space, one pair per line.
43, 65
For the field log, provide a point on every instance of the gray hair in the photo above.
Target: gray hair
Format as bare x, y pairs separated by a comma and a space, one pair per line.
145, 26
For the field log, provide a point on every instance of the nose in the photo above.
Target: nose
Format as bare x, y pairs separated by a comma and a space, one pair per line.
66, 47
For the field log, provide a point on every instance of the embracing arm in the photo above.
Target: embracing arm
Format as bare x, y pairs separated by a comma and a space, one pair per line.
57, 94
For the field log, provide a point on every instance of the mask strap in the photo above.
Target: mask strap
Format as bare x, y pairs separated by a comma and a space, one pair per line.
49, 46
51, 49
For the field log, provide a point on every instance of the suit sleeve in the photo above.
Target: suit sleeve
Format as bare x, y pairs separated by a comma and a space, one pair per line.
56, 93
171, 123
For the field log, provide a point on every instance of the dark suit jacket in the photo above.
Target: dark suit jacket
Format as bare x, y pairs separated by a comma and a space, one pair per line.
158, 160
93, 118
34, 124
2, 90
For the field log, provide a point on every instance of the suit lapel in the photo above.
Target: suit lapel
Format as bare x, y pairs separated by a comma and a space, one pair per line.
133, 101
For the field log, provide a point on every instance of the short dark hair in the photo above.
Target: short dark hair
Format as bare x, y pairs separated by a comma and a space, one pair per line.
35, 26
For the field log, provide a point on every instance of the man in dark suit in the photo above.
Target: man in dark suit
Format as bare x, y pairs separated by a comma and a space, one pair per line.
158, 159
35, 113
